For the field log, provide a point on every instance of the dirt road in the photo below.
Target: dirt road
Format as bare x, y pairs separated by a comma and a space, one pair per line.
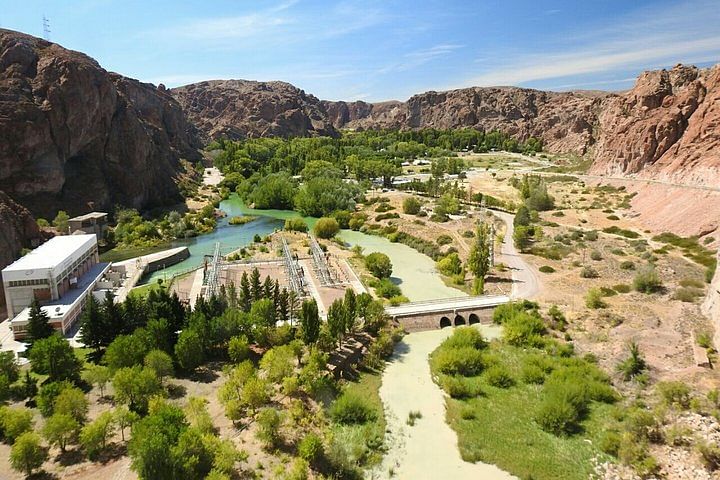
526, 282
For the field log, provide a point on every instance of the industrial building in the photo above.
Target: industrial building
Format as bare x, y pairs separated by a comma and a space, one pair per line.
93, 222
60, 274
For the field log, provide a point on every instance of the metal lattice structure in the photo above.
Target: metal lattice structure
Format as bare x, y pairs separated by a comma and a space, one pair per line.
212, 279
296, 280
322, 269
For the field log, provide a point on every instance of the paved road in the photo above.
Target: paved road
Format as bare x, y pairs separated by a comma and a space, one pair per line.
525, 279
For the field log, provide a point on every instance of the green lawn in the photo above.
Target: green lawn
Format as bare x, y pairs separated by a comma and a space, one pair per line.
504, 433
144, 290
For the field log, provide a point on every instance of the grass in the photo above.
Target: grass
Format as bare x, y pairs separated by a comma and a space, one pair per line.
118, 254
364, 442
498, 428
143, 290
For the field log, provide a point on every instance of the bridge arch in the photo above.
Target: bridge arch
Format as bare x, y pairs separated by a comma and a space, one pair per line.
459, 320
445, 322
473, 319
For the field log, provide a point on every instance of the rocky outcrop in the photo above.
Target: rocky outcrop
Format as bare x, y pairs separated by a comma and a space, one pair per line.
666, 128
564, 121
17, 229
711, 305
242, 108
75, 136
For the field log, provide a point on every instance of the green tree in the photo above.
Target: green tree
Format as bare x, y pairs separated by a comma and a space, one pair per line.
326, 227
14, 421
124, 418
411, 206
54, 357
27, 454
49, 392
9, 367
522, 217
94, 436
379, 265
350, 306
97, 375
61, 222
336, 320
126, 351
278, 363
30, 388
479, 258
190, 350
152, 440
255, 393
72, 401
93, 330
522, 237
269, 421
38, 326
309, 321
238, 348
161, 363
263, 313
255, 285
134, 386
61, 429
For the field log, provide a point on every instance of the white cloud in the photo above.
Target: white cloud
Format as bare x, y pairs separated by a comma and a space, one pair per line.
420, 57
646, 39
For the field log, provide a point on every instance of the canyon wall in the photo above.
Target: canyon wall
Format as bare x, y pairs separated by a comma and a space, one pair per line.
77, 137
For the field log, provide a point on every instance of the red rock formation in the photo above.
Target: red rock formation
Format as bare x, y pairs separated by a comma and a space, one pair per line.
242, 108
73, 133
666, 128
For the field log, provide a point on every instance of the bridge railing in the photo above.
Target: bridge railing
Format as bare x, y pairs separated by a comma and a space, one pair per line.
451, 300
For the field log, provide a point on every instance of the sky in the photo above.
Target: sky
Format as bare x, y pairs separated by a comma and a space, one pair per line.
377, 50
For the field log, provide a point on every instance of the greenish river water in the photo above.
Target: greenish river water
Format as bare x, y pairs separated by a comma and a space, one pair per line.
414, 272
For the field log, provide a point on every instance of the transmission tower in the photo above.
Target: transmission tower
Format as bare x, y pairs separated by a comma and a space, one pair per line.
46, 28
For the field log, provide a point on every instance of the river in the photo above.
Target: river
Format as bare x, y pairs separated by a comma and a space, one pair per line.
413, 271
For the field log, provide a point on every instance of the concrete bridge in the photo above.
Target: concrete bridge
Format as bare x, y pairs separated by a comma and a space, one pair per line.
446, 312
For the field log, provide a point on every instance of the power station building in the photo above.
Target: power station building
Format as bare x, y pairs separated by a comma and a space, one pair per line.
60, 274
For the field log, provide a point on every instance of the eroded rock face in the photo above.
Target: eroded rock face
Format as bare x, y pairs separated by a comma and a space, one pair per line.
17, 229
711, 305
564, 121
74, 134
666, 128
237, 109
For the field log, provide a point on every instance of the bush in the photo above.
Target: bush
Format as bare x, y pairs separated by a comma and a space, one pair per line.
610, 442
589, 272
326, 227
444, 239
547, 269
465, 361
498, 376
593, 299
296, 225
595, 255
622, 288
524, 329
627, 265
379, 265
557, 415
687, 294
459, 387
710, 454
450, 265
465, 337
532, 374
411, 206
674, 393
387, 289
350, 408
311, 448
647, 281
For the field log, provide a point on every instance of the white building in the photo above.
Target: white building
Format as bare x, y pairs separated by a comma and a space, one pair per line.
60, 274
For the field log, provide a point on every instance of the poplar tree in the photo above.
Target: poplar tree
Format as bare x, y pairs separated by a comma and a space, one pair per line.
479, 259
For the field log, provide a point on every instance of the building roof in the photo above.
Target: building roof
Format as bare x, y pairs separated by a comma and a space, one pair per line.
88, 216
52, 253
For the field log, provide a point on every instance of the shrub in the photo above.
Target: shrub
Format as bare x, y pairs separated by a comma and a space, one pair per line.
444, 239
465, 337
674, 393
465, 361
524, 329
450, 265
411, 206
532, 374
379, 265
647, 281
269, 426
687, 295
459, 387
610, 442
634, 364
557, 415
311, 448
589, 272
296, 225
627, 265
710, 454
326, 227
595, 255
499, 376
387, 289
546, 269
622, 288
238, 348
350, 408
593, 299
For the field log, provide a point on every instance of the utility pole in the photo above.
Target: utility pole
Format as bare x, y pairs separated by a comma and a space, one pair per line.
46, 28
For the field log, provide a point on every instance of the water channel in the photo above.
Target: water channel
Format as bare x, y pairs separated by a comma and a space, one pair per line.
413, 271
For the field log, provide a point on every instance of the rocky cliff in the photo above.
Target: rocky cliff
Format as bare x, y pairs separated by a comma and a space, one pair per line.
242, 108
17, 229
711, 305
666, 128
75, 135
563, 120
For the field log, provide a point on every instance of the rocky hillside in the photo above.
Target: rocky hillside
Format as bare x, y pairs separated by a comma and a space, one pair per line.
666, 128
75, 135
242, 108
563, 120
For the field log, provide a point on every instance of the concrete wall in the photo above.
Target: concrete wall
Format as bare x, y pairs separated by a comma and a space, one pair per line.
159, 263
431, 321
711, 306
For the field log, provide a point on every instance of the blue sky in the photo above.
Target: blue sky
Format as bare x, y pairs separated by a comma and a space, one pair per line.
379, 50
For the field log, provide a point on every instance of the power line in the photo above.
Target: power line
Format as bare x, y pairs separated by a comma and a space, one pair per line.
46, 28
